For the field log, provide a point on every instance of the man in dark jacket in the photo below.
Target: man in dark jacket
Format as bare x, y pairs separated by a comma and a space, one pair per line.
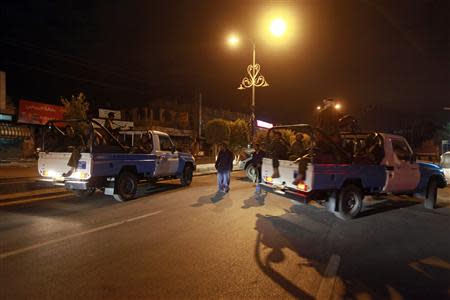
278, 149
257, 159
224, 166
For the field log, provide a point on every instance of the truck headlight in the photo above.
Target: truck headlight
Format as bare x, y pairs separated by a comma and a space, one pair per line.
80, 175
49, 173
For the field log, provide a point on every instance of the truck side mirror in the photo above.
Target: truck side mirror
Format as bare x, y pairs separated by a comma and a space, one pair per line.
413, 158
173, 149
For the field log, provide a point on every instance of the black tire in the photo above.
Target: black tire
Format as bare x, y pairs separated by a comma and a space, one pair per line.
350, 202
84, 193
186, 177
126, 186
431, 195
251, 172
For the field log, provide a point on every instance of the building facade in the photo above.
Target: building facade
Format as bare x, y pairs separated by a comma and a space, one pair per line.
184, 122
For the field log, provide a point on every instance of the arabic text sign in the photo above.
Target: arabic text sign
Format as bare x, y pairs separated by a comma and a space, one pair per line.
31, 112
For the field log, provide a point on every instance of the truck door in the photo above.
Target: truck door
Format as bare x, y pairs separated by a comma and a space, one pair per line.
402, 172
167, 161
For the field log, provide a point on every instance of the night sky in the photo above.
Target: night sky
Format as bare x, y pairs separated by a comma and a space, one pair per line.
389, 54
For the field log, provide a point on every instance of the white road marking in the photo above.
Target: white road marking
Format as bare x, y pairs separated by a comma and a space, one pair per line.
75, 235
31, 193
325, 291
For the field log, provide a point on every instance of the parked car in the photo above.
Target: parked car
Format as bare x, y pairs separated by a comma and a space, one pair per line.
244, 164
445, 165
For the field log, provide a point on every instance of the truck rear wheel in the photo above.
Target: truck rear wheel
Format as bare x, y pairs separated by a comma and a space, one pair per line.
126, 186
186, 177
350, 202
431, 195
84, 193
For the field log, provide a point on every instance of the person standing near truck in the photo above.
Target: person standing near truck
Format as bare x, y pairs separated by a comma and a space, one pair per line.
278, 149
256, 160
224, 166
109, 122
297, 148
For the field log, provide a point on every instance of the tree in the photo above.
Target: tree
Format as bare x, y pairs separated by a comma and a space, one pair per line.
75, 108
260, 137
288, 135
238, 135
217, 131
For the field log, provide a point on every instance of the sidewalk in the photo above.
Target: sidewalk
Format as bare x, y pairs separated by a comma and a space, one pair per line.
18, 170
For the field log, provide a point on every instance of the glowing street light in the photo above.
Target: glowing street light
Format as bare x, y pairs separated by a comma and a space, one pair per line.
233, 40
337, 106
278, 27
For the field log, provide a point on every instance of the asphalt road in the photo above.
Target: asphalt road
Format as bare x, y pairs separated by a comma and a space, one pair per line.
176, 242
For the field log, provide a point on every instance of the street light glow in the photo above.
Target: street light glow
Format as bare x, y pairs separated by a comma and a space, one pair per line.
233, 40
337, 106
278, 27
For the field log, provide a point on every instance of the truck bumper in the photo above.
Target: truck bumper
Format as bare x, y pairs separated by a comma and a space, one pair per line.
76, 185
290, 193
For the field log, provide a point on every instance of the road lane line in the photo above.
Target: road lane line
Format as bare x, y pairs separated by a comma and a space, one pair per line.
100, 228
31, 193
325, 291
17, 202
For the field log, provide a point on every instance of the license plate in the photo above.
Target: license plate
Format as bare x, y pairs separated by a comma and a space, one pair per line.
109, 191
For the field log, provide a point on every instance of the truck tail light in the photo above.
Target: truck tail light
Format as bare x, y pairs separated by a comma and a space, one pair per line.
302, 186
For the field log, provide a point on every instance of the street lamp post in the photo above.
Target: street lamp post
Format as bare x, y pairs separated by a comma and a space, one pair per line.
254, 80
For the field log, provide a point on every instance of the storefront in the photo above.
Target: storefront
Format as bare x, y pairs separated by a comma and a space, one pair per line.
16, 141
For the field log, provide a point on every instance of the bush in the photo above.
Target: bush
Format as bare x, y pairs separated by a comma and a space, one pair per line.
239, 135
217, 131
75, 108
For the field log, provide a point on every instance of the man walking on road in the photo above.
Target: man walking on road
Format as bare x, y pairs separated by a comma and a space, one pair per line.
224, 166
256, 160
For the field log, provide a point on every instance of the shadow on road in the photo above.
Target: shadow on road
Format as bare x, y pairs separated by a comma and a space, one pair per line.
150, 189
385, 205
255, 200
219, 200
404, 254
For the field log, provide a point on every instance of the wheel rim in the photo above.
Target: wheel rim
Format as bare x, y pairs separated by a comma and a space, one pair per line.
251, 173
350, 202
127, 186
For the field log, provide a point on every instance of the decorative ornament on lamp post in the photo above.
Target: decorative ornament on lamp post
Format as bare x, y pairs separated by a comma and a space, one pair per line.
254, 80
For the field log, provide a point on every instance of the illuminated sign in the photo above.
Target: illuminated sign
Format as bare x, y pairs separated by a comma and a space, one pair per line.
263, 124
4, 117
31, 112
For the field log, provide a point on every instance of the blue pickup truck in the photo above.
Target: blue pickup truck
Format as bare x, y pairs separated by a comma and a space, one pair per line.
342, 172
113, 163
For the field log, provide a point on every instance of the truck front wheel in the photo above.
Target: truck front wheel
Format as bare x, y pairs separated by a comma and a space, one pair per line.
350, 202
126, 186
186, 177
431, 194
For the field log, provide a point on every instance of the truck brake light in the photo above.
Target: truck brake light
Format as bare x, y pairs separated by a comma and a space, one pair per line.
302, 187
